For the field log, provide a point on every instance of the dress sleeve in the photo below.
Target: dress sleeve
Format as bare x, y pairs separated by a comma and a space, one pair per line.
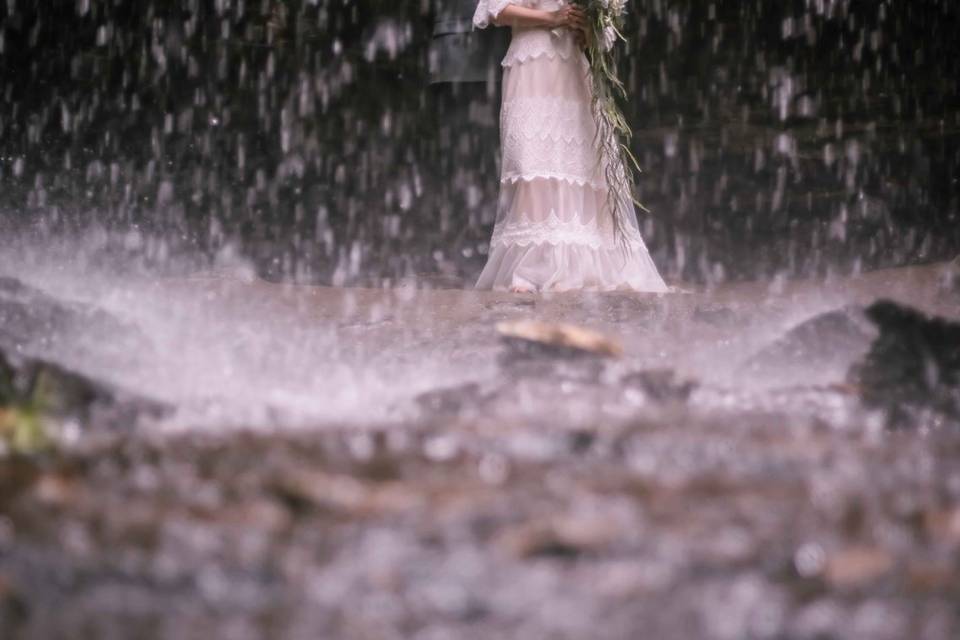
488, 10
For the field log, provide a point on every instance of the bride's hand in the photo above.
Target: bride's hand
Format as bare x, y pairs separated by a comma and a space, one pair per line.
569, 16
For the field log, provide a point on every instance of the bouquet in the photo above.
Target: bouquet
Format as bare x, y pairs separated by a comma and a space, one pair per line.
605, 20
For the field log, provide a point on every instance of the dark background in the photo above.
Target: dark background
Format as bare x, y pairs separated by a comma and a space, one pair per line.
794, 137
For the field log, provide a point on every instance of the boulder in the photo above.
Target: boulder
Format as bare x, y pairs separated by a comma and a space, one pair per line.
36, 329
35, 323
817, 351
912, 369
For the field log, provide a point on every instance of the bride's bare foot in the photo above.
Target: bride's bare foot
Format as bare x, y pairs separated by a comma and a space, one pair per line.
518, 289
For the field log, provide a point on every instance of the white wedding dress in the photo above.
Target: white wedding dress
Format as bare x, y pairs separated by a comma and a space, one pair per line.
553, 230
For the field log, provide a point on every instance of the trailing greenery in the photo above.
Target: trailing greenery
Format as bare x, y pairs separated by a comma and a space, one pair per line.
605, 20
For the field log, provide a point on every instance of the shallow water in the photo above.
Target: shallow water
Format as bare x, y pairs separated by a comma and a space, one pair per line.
226, 348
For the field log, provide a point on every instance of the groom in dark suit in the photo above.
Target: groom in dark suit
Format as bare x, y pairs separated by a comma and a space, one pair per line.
464, 76
458, 54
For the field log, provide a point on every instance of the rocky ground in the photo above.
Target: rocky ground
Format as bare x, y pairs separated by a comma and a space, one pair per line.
760, 461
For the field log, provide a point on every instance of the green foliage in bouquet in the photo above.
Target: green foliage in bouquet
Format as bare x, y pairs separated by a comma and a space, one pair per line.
605, 20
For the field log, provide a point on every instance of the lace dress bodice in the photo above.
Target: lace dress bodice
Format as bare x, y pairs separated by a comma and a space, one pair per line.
528, 43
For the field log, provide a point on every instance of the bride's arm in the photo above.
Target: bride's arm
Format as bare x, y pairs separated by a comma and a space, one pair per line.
514, 16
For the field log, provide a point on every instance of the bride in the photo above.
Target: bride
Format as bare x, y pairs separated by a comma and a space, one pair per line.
554, 229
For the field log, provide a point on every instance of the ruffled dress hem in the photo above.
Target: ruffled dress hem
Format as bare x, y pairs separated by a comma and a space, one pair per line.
559, 266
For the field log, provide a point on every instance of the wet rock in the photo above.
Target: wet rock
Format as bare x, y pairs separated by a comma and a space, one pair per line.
543, 351
715, 315
34, 322
944, 525
275, 515
451, 401
581, 440
531, 337
857, 566
562, 537
63, 395
34, 328
660, 385
510, 305
912, 369
16, 476
626, 308
818, 350
54, 489
25, 379
366, 325
13, 608
307, 490
930, 577
260, 514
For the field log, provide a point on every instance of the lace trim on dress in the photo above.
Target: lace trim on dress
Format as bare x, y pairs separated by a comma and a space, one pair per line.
554, 231
528, 44
513, 178
487, 11
545, 157
555, 118
549, 138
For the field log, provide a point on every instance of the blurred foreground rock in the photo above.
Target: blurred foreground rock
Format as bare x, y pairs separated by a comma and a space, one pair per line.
683, 528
